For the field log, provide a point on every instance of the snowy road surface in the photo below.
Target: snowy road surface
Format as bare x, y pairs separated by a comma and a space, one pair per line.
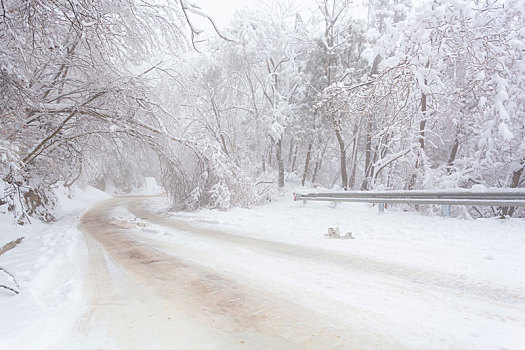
199, 287
148, 297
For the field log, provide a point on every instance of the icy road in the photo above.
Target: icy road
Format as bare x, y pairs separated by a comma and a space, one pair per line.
165, 282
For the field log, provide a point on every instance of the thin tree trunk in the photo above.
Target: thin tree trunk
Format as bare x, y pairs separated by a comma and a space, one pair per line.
294, 158
216, 112
280, 164
270, 155
423, 122
319, 161
514, 183
307, 163
422, 126
351, 182
317, 168
368, 155
290, 152
372, 170
453, 154
342, 156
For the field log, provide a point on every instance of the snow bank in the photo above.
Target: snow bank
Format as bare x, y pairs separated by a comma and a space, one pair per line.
49, 265
77, 199
488, 249
427, 282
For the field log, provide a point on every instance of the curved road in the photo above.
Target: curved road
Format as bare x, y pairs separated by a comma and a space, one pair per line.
146, 298
151, 294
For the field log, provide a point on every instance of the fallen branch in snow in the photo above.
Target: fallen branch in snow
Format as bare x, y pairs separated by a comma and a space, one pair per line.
4, 249
9, 288
10, 245
14, 281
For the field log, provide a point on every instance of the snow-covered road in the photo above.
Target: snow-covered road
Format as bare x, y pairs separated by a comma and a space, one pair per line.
201, 287
147, 296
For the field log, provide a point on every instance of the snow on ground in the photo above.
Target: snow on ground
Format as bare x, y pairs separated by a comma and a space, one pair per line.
428, 282
487, 249
49, 265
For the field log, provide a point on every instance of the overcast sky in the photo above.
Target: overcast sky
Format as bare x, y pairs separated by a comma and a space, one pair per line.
222, 10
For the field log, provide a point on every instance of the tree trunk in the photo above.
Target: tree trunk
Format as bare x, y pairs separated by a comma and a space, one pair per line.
351, 182
294, 158
319, 161
515, 182
270, 152
223, 145
453, 154
280, 164
368, 155
422, 125
307, 163
423, 122
317, 168
290, 153
342, 155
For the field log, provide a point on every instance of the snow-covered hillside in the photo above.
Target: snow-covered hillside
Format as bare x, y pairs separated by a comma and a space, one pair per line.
49, 266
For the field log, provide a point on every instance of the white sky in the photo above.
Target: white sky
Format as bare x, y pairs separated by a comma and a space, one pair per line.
222, 10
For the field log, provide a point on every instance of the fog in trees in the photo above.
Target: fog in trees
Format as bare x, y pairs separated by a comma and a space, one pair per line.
411, 96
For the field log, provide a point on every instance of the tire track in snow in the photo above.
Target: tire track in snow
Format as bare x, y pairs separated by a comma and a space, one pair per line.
156, 287
452, 283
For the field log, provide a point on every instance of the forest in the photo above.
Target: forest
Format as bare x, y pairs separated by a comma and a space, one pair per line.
424, 95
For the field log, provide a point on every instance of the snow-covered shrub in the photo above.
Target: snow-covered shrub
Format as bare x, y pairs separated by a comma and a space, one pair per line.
207, 179
21, 195
219, 196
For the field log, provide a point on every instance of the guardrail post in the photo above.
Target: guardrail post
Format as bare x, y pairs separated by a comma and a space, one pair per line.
381, 207
445, 210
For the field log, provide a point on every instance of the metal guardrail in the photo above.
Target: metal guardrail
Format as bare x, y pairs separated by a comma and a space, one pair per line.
446, 198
